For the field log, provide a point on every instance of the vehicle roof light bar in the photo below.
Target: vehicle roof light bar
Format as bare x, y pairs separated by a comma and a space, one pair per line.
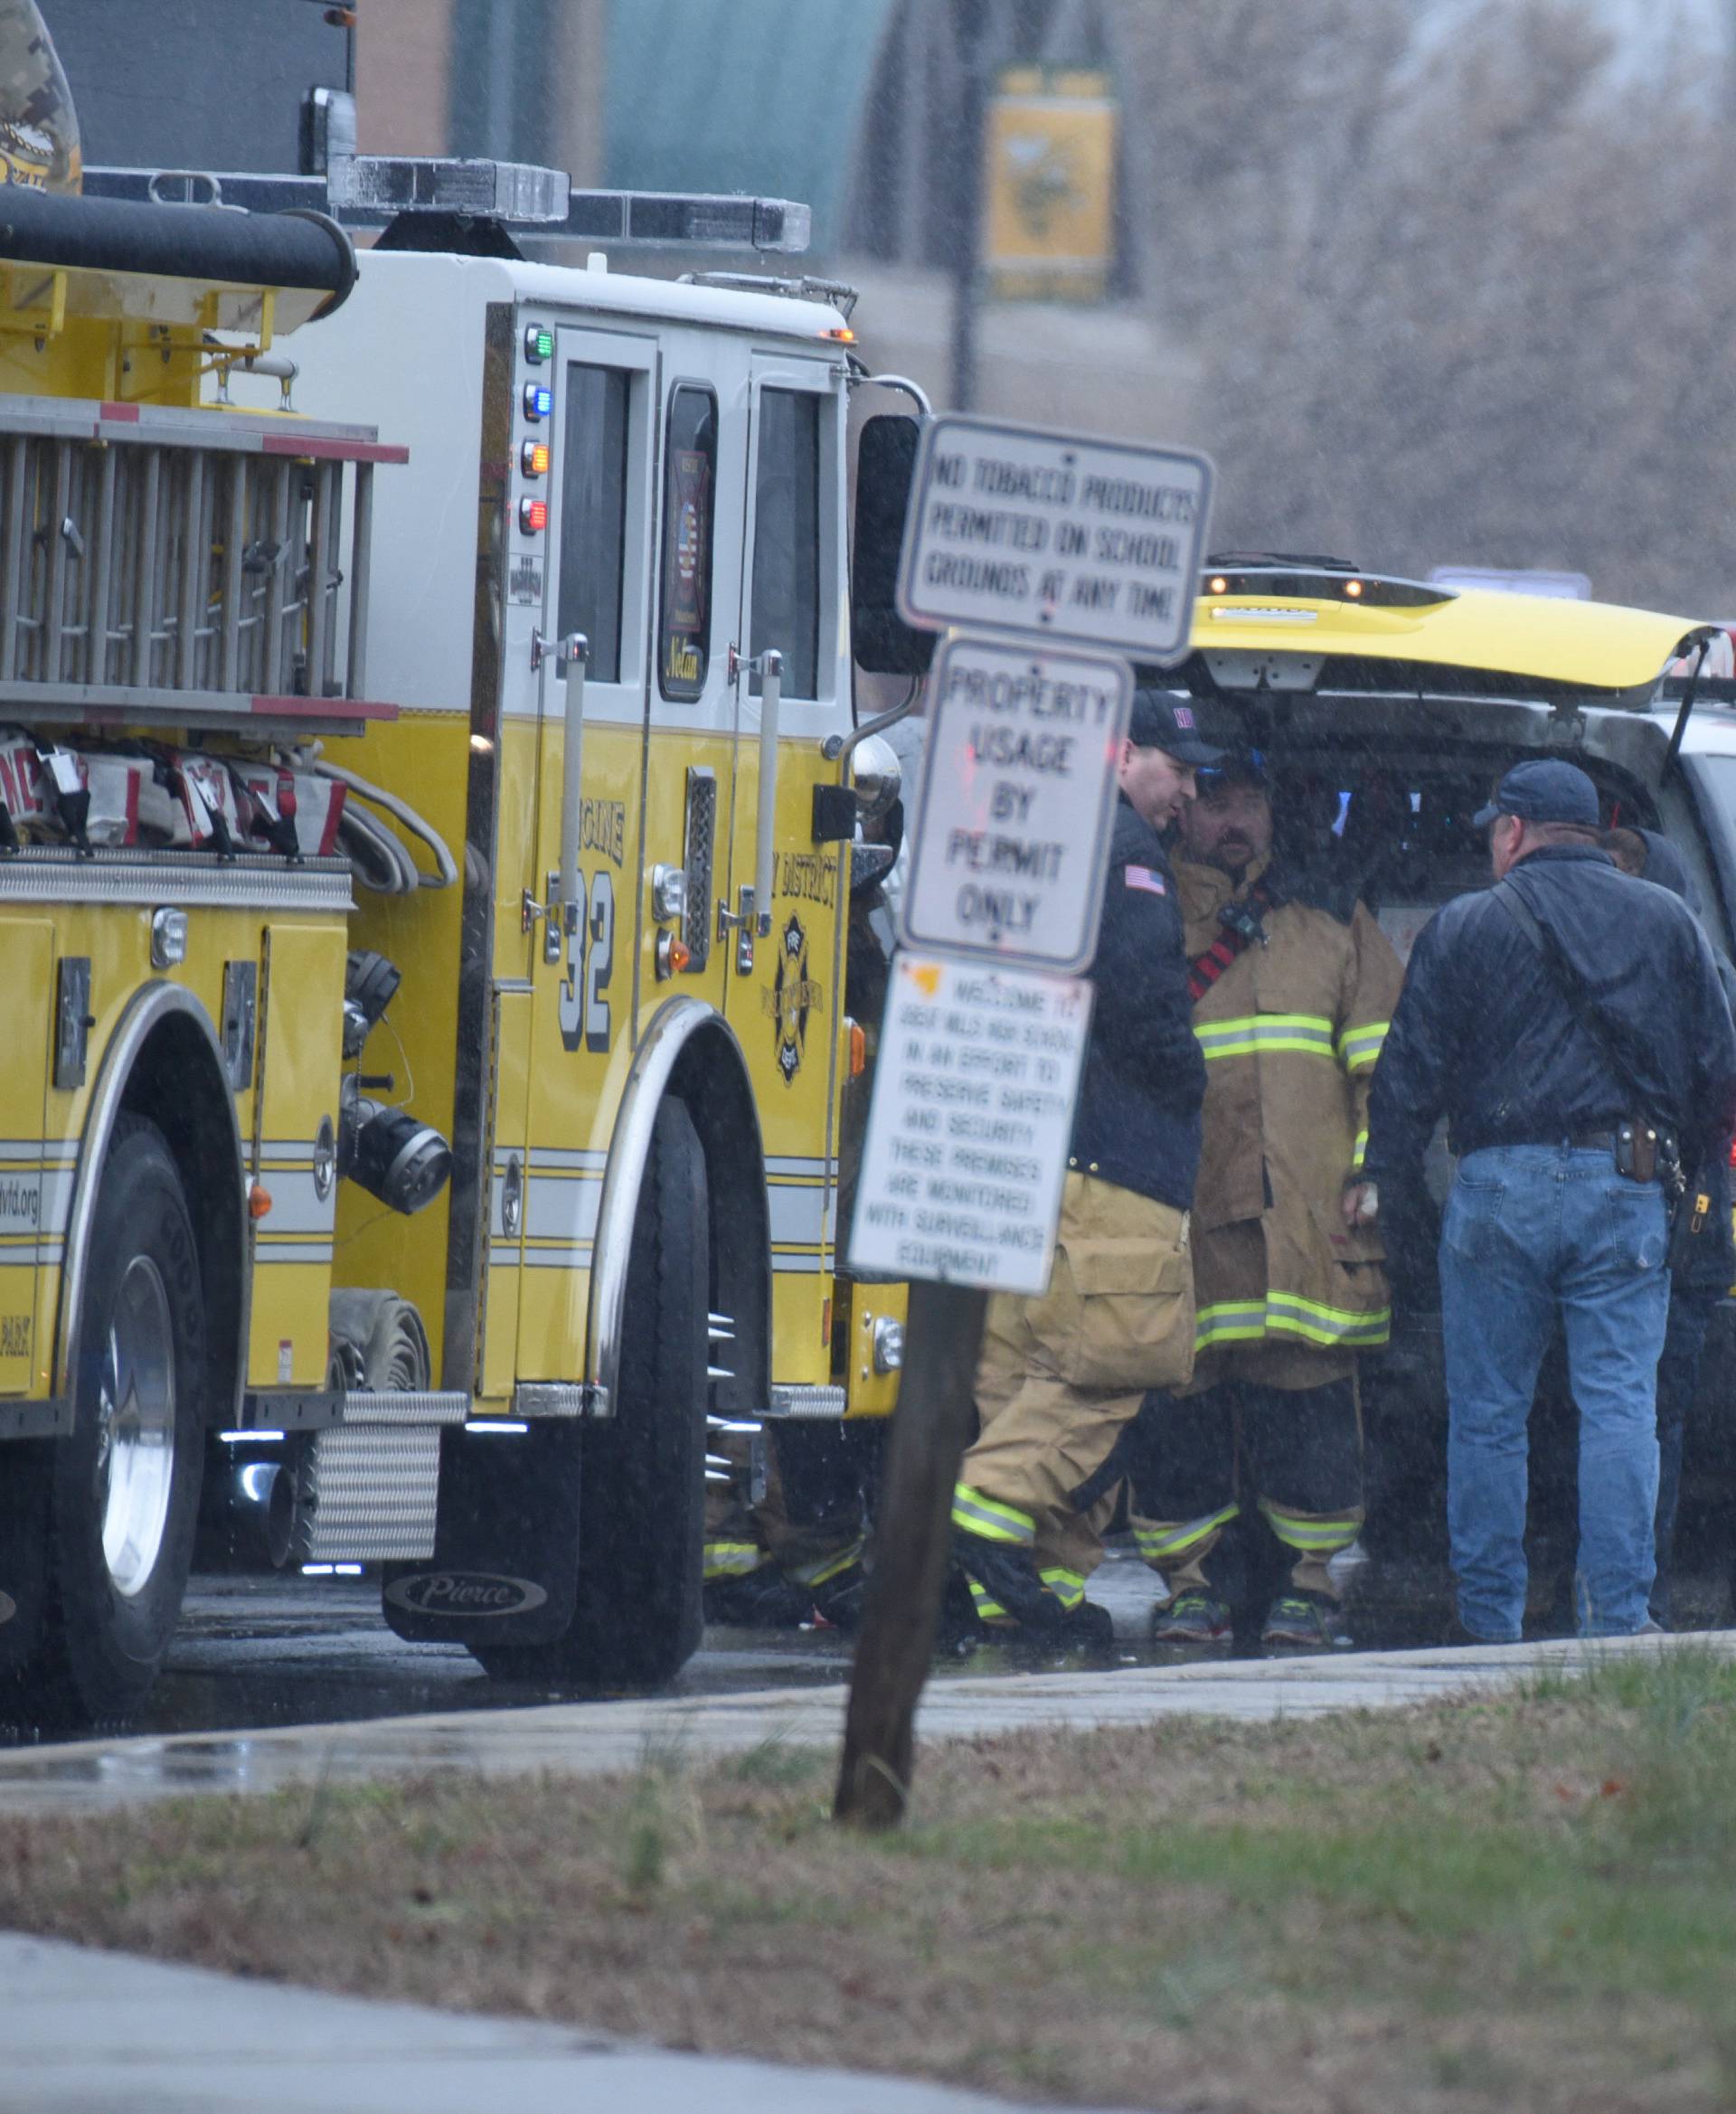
540, 204
519, 193
1315, 580
692, 220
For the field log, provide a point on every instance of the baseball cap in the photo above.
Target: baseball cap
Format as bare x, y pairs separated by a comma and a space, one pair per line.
1543, 789
1159, 720
1237, 767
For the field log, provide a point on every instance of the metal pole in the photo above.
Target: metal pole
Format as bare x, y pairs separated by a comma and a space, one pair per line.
234, 547
771, 690
360, 559
573, 658
12, 567
930, 1431
144, 579
192, 572
96, 658
55, 600
972, 20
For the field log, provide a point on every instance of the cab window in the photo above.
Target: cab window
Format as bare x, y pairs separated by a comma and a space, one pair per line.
785, 612
689, 503
593, 513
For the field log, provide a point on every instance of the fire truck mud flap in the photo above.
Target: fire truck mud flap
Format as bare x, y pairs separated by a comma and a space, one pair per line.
570, 1553
505, 1560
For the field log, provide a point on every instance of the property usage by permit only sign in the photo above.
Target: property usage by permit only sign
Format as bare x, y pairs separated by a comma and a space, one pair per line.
1012, 819
1088, 542
968, 1129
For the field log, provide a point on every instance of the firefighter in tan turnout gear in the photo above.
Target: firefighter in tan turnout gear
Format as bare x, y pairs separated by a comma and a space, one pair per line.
1061, 1376
1293, 987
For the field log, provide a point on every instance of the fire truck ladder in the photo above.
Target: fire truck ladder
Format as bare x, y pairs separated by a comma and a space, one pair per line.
167, 566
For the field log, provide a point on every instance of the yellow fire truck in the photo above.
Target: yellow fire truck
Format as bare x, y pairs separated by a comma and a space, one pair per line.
428, 756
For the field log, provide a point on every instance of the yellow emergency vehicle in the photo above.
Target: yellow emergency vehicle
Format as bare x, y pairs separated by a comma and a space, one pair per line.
426, 770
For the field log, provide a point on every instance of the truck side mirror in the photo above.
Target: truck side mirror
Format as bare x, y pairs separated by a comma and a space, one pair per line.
884, 644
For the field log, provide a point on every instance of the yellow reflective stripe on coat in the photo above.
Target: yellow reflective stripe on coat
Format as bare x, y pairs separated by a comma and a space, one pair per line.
733, 1559
1248, 1321
1158, 1542
1067, 1586
1262, 1033
1359, 1047
1291, 1316
1233, 1321
1360, 1150
989, 1519
1305, 1531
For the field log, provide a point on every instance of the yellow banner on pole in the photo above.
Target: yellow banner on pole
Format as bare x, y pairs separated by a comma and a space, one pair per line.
1050, 149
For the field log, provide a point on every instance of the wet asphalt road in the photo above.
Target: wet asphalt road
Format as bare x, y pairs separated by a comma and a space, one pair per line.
254, 1653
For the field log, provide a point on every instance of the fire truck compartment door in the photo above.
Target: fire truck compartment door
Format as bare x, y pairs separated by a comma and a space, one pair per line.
36, 1170
598, 582
786, 1007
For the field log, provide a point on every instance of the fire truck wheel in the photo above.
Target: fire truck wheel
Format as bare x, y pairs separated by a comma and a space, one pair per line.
125, 1482
642, 1471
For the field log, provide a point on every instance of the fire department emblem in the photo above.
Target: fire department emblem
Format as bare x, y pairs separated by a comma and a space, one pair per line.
793, 996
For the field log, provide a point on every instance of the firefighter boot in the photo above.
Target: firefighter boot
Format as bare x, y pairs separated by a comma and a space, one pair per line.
1087, 1628
835, 1583
1005, 1591
1192, 1621
1303, 1622
756, 1599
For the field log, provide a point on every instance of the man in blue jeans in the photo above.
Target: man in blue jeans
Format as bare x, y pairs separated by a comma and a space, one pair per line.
1570, 1023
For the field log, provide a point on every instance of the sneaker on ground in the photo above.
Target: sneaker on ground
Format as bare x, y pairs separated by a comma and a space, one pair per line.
1198, 1620
1300, 1622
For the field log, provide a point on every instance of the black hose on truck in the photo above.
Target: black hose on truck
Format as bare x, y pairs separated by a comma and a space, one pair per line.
295, 248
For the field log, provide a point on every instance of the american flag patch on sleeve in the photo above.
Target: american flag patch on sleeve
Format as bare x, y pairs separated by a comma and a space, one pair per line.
1147, 878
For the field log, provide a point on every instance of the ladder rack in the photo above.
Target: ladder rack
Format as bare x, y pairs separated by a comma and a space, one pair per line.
173, 567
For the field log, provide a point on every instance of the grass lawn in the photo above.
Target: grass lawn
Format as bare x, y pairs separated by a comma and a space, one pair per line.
1525, 1902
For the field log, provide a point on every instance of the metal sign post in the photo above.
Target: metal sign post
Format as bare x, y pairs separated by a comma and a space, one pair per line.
1066, 552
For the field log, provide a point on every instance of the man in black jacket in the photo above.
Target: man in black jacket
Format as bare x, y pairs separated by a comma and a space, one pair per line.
1570, 1023
1062, 1374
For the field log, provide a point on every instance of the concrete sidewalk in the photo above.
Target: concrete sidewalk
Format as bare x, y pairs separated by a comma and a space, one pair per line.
93, 1776
87, 2032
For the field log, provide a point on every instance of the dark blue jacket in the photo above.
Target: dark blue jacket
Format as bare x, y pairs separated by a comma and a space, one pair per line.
1484, 1034
1710, 1268
1137, 1122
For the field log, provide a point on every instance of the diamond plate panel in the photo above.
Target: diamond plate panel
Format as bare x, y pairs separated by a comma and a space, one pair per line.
368, 1493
